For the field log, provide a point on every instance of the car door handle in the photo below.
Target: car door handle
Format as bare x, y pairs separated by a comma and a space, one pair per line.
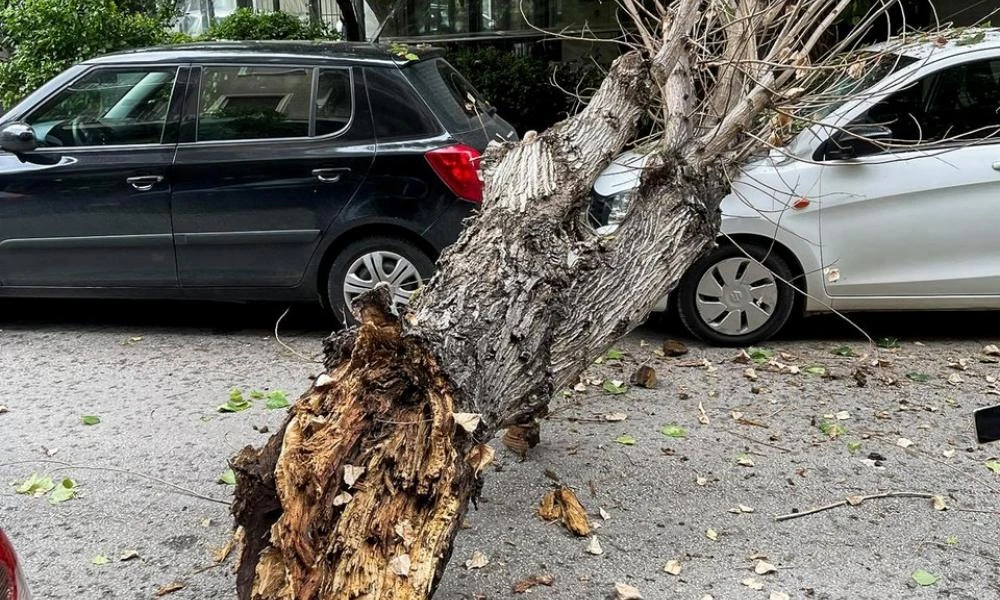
996, 166
144, 183
329, 175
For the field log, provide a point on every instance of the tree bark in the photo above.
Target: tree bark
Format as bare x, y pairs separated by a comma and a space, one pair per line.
361, 492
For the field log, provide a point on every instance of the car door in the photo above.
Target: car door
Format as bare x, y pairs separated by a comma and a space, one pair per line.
920, 221
91, 206
269, 157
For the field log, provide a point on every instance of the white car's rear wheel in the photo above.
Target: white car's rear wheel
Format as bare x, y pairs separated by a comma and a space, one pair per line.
731, 299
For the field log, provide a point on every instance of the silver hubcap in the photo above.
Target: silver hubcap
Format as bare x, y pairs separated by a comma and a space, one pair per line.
736, 296
376, 267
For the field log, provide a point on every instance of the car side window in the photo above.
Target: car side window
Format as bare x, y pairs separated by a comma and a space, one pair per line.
956, 104
251, 102
122, 106
334, 103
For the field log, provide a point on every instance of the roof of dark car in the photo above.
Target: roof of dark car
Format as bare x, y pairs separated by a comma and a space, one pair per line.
271, 51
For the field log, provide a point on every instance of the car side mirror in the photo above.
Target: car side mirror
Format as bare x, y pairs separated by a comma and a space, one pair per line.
856, 140
18, 138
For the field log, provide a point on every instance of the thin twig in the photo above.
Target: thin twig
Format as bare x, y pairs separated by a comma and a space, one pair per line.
286, 346
70, 466
756, 441
855, 501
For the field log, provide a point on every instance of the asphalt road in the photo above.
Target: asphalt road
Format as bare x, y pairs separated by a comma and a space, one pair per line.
155, 373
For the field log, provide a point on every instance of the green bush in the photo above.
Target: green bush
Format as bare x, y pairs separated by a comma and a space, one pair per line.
521, 88
44, 37
245, 24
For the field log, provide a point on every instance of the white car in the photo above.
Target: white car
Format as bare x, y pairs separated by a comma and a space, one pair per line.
851, 224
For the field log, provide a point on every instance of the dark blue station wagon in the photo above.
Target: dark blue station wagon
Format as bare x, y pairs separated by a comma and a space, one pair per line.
239, 171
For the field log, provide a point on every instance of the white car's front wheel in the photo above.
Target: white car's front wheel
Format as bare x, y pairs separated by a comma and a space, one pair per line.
731, 299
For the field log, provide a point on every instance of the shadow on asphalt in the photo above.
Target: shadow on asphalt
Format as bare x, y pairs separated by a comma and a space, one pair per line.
217, 317
304, 318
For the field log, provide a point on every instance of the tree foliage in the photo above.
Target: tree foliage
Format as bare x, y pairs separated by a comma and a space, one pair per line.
245, 24
44, 37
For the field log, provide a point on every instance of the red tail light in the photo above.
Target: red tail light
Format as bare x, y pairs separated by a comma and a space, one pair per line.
12, 586
458, 168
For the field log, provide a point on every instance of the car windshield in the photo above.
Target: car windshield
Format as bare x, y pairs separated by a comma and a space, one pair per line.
861, 71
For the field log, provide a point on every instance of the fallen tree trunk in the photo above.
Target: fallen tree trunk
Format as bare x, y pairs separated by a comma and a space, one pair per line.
362, 491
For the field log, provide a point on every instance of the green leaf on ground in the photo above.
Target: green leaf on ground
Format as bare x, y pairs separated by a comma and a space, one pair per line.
818, 370
673, 431
100, 559
951, 540
276, 400
614, 387
832, 428
625, 440
411, 56
843, 351
922, 577
35, 485
90, 419
993, 465
66, 490
887, 342
236, 402
257, 395
615, 354
854, 447
227, 477
918, 376
760, 355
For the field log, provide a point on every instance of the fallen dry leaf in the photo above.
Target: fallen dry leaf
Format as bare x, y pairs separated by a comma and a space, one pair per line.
478, 561
342, 499
991, 350
323, 380
948, 453
744, 461
351, 474
614, 417
3, 409
778, 596
751, 374
222, 553
594, 546
955, 379
744, 508
529, 582
699, 480
604, 514
674, 348
855, 500
712, 534
938, 503
645, 377
467, 421
673, 567
904, 442
129, 555
400, 565
842, 415
702, 415
764, 567
753, 584
624, 591
562, 504
169, 588
480, 457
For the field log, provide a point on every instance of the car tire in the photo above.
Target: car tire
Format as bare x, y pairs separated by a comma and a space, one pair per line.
352, 270
729, 299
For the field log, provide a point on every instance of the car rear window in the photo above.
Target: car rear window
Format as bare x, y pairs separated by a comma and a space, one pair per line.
396, 115
459, 106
